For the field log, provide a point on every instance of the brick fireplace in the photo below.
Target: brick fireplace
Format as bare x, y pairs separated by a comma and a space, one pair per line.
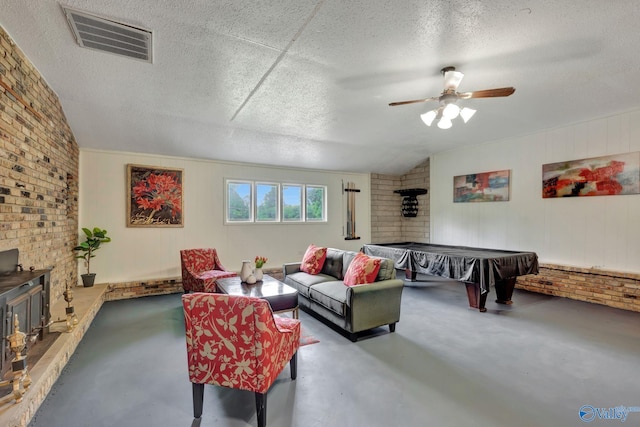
38, 171
38, 185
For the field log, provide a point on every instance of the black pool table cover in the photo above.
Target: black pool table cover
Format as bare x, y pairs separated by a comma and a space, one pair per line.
466, 264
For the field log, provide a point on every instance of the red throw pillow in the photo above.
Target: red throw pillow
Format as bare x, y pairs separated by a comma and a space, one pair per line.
363, 269
313, 259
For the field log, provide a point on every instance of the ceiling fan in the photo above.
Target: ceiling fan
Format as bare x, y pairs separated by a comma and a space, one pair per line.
449, 109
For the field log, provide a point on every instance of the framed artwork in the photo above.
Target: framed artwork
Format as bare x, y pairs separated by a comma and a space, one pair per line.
154, 196
482, 187
596, 176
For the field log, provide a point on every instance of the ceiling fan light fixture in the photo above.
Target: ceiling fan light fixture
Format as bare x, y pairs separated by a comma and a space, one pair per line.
451, 111
452, 79
444, 123
428, 117
466, 113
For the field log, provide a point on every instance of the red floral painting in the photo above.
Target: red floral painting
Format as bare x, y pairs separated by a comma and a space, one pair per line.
597, 176
155, 196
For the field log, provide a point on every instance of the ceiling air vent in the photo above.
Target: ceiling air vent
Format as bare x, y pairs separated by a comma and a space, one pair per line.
110, 36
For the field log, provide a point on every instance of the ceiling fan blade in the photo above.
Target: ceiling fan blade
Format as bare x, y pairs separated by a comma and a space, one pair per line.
487, 93
452, 79
433, 98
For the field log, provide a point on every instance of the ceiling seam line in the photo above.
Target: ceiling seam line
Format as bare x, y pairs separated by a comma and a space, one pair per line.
278, 59
256, 43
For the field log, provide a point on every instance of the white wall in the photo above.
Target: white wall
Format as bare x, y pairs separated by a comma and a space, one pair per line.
601, 231
149, 253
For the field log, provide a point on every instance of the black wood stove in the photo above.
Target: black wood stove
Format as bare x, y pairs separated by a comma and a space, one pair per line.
25, 293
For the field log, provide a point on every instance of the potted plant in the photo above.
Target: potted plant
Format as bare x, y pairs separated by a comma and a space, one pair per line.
86, 250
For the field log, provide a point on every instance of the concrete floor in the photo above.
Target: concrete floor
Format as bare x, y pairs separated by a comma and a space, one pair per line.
535, 363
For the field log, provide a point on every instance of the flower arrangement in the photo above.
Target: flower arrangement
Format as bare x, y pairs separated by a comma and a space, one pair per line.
260, 261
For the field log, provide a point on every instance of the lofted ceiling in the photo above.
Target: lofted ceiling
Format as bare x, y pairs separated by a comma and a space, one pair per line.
307, 83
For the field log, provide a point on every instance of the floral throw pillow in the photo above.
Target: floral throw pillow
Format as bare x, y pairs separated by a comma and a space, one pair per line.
363, 269
313, 259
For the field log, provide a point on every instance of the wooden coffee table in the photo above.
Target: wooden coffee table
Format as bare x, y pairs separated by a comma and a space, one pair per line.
281, 297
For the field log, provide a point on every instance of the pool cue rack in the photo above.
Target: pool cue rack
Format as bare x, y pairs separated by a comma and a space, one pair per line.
350, 190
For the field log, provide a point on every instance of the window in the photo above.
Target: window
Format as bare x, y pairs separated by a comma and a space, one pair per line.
267, 202
239, 201
315, 208
291, 202
256, 201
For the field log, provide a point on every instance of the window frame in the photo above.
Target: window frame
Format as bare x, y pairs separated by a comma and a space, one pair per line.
252, 196
277, 202
227, 202
301, 196
323, 218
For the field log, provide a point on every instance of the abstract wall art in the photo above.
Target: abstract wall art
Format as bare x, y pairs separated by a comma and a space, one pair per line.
482, 187
154, 196
597, 176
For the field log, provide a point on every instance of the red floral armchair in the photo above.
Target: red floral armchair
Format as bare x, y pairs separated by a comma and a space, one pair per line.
236, 342
200, 270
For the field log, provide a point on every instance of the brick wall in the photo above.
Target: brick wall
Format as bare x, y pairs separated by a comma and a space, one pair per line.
386, 226
38, 171
615, 289
387, 223
170, 285
143, 288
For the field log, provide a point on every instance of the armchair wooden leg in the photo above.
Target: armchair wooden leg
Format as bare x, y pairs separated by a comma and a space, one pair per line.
261, 409
294, 365
392, 327
198, 397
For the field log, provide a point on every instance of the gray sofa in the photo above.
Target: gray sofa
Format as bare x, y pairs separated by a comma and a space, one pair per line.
356, 308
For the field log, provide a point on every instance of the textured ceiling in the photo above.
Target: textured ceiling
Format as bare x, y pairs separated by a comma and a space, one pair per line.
306, 83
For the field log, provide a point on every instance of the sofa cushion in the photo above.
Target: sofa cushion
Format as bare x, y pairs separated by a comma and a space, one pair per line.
302, 281
331, 295
313, 259
387, 270
363, 269
346, 261
333, 264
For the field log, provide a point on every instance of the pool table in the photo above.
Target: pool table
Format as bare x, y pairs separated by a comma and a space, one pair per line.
478, 268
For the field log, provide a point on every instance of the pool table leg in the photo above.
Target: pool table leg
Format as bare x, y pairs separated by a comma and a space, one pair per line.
410, 275
504, 290
475, 297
